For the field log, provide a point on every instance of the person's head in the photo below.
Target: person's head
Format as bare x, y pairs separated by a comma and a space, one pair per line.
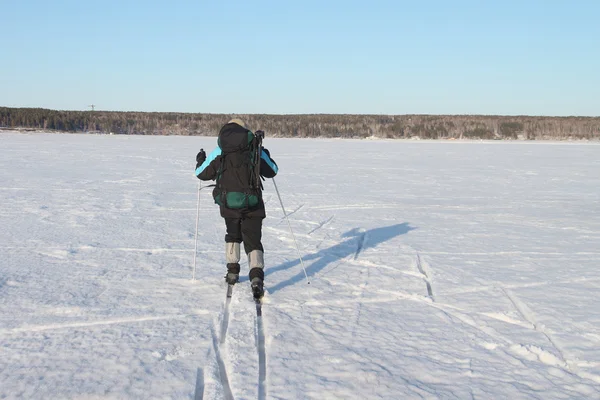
237, 121
232, 138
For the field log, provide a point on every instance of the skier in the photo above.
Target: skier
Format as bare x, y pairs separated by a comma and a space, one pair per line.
237, 164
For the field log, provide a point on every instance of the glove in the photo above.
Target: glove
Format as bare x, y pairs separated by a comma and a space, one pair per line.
200, 157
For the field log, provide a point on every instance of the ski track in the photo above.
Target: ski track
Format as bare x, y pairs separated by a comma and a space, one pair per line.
225, 317
370, 264
199, 389
227, 393
457, 313
508, 346
262, 354
513, 349
493, 287
284, 232
399, 295
362, 240
150, 250
360, 302
357, 207
530, 317
451, 311
423, 269
321, 225
260, 347
88, 324
511, 253
292, 213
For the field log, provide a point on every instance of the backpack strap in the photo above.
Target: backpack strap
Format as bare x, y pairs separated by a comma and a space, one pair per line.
256, 182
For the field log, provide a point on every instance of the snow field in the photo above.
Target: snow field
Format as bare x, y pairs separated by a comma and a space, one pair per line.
438, 270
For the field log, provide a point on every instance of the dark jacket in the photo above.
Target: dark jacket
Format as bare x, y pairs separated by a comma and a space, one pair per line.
235, 173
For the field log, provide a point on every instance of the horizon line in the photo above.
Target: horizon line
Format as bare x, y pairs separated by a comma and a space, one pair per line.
306, 114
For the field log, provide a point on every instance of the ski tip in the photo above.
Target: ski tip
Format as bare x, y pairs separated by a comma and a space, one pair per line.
257, 297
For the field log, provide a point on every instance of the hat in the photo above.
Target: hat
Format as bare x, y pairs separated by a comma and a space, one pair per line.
237, 121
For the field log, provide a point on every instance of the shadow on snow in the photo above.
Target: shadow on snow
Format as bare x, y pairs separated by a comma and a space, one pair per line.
357, 241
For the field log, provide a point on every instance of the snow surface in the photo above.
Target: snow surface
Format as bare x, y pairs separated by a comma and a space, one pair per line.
445, 270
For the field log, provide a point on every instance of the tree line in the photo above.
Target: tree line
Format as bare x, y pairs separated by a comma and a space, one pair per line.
306, 125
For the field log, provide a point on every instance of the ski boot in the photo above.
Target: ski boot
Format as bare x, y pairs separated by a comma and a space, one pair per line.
233, 273
257, 274
232, 255
258, 290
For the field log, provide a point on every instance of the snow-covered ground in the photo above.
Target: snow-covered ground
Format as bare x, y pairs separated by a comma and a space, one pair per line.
438, 270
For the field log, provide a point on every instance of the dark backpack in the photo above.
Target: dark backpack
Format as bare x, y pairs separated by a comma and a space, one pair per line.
238, 183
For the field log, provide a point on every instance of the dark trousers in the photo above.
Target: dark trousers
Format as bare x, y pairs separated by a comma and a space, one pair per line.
247, 230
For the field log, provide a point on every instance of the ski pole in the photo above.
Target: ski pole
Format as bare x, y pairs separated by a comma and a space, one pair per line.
293, 236
196, 235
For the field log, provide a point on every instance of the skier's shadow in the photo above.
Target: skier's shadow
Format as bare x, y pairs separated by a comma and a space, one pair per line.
357, 242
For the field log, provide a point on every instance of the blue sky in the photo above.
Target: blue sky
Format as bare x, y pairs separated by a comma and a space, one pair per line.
292, 57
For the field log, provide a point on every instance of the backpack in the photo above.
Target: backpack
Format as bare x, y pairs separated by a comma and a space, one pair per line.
238, 184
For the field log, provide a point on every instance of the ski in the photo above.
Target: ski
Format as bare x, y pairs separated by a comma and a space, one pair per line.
260, 347
258, 307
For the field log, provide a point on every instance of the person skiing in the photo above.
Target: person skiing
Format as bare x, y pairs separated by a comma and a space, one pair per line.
237, 165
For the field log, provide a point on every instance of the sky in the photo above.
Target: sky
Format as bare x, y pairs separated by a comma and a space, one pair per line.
273, 57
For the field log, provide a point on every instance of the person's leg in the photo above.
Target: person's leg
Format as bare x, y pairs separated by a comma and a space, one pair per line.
251, 235
233, 238
251, 230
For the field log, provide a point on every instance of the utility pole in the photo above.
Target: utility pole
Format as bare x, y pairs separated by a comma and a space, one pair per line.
92, 118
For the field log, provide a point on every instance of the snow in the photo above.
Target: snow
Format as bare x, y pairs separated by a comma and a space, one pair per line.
445, 270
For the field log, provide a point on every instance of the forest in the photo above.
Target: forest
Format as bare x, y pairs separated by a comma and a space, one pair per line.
307, 125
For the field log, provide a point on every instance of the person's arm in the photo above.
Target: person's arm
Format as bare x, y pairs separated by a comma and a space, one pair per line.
268, 166
206, 169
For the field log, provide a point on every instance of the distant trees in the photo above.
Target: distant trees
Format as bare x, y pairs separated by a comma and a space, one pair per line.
511, 129
308, 125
